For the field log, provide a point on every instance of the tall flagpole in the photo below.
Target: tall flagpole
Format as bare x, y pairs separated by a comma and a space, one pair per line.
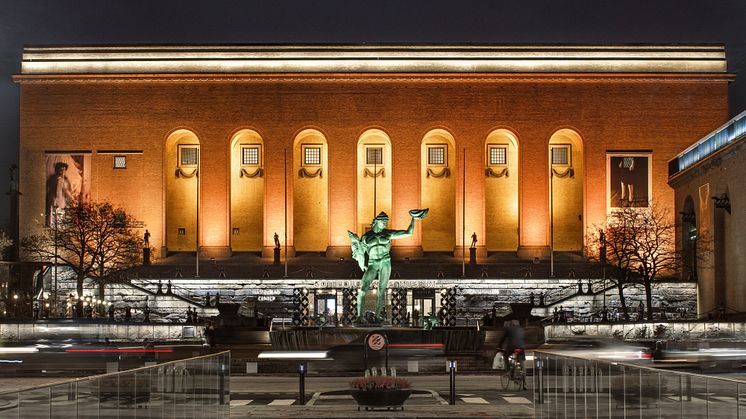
551, 221
375, 184
463, 219
285, 191
196, 262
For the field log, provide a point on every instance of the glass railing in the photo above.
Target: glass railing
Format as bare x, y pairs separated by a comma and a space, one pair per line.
191, 388
567, 386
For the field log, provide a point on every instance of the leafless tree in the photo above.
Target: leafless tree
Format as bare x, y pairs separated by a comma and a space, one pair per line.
96, 239
639, 247
5, 242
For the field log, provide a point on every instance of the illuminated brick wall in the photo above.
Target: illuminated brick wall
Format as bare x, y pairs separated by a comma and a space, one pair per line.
612, 113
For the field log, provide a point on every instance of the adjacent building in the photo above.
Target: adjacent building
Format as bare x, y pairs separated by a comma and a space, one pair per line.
709, 178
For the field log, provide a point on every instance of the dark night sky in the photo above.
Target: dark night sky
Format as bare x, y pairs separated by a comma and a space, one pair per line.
29, 22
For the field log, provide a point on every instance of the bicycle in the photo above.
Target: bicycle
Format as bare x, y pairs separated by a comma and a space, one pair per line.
515, 371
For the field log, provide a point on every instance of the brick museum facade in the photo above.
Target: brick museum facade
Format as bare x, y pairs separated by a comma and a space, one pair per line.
221, 147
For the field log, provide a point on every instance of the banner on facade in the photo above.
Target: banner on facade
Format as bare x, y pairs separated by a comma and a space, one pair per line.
68, 180
628, 180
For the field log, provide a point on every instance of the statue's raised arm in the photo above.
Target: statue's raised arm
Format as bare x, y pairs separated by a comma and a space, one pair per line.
416, 214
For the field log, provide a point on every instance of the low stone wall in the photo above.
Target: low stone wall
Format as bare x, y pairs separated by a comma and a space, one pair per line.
648, 330
274, 296
98, 331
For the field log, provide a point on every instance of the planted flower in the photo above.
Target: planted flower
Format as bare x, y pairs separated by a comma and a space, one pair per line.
380, 392
380, 383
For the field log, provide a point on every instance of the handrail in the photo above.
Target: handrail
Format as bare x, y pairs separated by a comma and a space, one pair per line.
183, 293
91, 377
644, 367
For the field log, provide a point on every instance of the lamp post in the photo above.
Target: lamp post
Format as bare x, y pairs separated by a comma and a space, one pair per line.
463, 218
285, 193
56, 231
196, 262
551, 220
375, 179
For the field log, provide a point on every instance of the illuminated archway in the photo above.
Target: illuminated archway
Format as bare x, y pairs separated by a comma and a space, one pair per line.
501, 190
438, 191
689, 239
247, 191
310, 192
566, 165
373, 177
181, 170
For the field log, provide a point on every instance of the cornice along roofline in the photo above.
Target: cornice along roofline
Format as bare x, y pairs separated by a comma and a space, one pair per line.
373, 59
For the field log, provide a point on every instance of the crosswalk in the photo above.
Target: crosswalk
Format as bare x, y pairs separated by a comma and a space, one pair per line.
419, 397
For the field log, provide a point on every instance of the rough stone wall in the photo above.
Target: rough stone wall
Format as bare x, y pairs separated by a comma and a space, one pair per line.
475, 296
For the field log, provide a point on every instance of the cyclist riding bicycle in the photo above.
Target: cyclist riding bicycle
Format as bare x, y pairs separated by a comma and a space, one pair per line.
514, 336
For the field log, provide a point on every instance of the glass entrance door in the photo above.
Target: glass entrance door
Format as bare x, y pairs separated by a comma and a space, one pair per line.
326, 307
420, 309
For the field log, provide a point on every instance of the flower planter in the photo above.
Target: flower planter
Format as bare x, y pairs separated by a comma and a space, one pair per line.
381, 399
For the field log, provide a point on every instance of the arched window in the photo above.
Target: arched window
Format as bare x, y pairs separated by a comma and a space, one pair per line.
689, 239
501, 190
373, 177
181, 170
566, 170
310, 192
247, 191
438, 191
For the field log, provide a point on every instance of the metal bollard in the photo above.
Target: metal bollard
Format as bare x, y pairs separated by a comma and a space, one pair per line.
302, 384
452, 374
540, 381
221, 385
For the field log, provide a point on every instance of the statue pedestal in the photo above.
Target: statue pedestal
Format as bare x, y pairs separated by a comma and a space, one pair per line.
146, 256
473, 256
276, 255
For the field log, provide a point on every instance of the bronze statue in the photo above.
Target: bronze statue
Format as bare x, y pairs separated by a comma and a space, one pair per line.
376, 245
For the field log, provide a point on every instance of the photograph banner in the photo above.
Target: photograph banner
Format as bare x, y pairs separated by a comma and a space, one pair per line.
629, 181
68, 180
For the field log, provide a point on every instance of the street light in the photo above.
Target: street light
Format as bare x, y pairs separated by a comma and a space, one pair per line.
551, 219
56, 210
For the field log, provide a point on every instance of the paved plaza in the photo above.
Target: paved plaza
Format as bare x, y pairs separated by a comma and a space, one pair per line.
477, 396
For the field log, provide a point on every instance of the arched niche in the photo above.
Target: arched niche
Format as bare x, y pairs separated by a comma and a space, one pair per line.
181, 170
689, 239
310, 192
566, 190
373, 177
438, 191
247, 191
501, 190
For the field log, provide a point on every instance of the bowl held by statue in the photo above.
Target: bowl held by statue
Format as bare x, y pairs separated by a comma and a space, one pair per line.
418, 214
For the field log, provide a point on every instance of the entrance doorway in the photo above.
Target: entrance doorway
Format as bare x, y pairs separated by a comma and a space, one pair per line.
423, 305
326, 306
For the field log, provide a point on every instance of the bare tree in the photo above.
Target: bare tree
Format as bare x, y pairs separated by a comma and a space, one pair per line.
96, 239
5, 242
610, 248
639, 248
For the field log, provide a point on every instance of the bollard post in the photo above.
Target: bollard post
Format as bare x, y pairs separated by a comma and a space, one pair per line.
221, 385
452, 373
302, 384
540, 381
